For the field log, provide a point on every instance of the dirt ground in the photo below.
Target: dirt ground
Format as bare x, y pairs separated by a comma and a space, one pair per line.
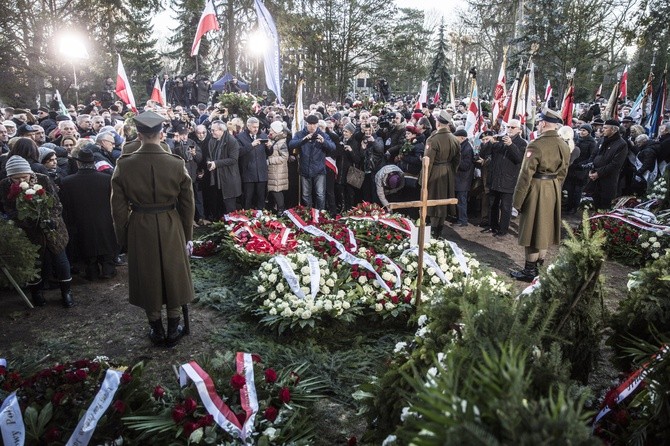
104, 323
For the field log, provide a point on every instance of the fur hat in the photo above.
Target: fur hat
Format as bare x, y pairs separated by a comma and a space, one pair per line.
17, 165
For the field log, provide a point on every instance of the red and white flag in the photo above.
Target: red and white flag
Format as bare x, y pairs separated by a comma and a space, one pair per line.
123, 90
599, 91
623, 87
547, 91
499, 93
156, 95
510, 103
423, 95
437, 94
207, 23
568, 103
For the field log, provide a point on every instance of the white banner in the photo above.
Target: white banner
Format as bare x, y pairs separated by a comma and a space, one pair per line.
314, 274
289, 275
84, 430
11, 422
396, 268
458, 253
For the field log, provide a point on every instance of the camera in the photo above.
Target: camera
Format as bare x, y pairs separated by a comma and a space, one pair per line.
314, 136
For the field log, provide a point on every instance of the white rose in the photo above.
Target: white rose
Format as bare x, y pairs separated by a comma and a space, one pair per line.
387, 276
379, 307
399, 347
280, 287
346, 305
261, 289
390, 440
306, 280
656, 245
37, 187
30, 191
422, 320
327, 305
272, 278
431, 271
655, 255
325, 290
266, 303
652, 239
341, 294
362, 279
273, 311
658, 233
644, 245
407, 281
389, 306
304, 270
306, 314
273, 295
330, 283
24, 185
435, 280
267, 266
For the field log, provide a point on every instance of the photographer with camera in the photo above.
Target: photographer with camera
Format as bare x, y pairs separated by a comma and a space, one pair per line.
313, 146
255, 148
506, 152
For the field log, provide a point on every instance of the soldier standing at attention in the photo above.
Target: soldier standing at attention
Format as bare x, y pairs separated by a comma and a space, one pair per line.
537, 195
153, 208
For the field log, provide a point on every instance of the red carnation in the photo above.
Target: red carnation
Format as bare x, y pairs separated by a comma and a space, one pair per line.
284, 395
93, 367
52, 435
159, 392
352, 441
41, 192
270, 414
354, 274
270, 376
119, 406
28, 197
126, 378
178, 414
207, 420
189, 428
256, 358
82, 363
190, 405
237, 381
394, 299
81, 374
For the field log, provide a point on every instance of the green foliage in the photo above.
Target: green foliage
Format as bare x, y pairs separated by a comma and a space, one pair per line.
491, 403
439, 73
17, 254
572, 285
646, 305
239, 104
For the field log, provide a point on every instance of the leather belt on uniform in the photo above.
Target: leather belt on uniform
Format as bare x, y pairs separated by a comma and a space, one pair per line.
545, 176
442, 162
152, 209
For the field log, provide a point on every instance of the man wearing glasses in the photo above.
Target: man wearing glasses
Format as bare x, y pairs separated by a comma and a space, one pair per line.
104, 161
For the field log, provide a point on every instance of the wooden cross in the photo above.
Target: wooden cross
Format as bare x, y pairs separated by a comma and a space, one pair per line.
423, 206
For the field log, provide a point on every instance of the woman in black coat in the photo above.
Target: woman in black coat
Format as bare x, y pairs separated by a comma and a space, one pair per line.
351, 156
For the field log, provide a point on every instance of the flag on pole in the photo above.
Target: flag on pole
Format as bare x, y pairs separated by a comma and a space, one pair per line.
636, 109
599, 91
499, 92
164, 91
298, 111
510, 103
520, 111
423, 95
611, 111
547, 91
647, 99
62, 109
531, 101
436, 98
623, 87
271, 56
207, 23
568, 103
452, 92
156, 95
123, 90
472, 122
660, 96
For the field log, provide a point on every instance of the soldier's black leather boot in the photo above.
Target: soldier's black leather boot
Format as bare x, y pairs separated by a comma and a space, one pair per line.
36, 294
175, 332
157, 332
527, 274
66, 294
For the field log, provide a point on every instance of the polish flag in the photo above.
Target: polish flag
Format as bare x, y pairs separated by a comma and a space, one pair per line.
123, 90
499, 93
208, 22
623, 88
156, 94
437, 95
547, 91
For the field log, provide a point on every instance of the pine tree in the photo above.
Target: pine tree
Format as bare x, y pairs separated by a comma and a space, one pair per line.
188, 14
439, 73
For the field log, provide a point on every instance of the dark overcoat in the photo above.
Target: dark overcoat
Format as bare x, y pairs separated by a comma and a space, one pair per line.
539, 200
88, 213
608, 163
158, 266
444, 152
225, 153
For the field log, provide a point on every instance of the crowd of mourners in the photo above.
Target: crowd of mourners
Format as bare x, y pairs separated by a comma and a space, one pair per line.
344, 154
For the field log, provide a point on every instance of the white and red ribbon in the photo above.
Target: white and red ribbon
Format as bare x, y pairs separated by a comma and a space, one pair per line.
396, 268
331, 164
460, 257
84, 431
215, 406
289, 275
430, 262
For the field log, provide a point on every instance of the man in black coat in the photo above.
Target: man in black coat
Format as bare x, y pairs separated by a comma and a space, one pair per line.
191, 153
222, 177
578, 171
254, 153
88, 216
506, 157
464, 176
607, 163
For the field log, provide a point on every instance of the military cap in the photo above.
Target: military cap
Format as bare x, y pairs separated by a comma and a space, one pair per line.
551, 116
149, 122
444, 117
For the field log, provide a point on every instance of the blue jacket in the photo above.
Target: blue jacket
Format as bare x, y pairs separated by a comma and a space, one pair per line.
312, 153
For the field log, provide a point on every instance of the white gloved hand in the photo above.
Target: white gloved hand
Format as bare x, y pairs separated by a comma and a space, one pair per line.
189, 248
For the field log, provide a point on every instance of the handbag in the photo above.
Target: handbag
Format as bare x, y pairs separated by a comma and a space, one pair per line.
355, 177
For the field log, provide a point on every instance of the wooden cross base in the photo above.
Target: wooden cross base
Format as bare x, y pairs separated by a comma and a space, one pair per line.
423, 206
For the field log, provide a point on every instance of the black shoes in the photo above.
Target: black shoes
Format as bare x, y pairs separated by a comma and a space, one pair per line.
527, 274
175, 332
157, 333
66, 294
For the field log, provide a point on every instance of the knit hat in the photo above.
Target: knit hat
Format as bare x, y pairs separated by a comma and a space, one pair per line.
586, 127
393, 180
45, 153
277, 127
350, 128
17, 165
